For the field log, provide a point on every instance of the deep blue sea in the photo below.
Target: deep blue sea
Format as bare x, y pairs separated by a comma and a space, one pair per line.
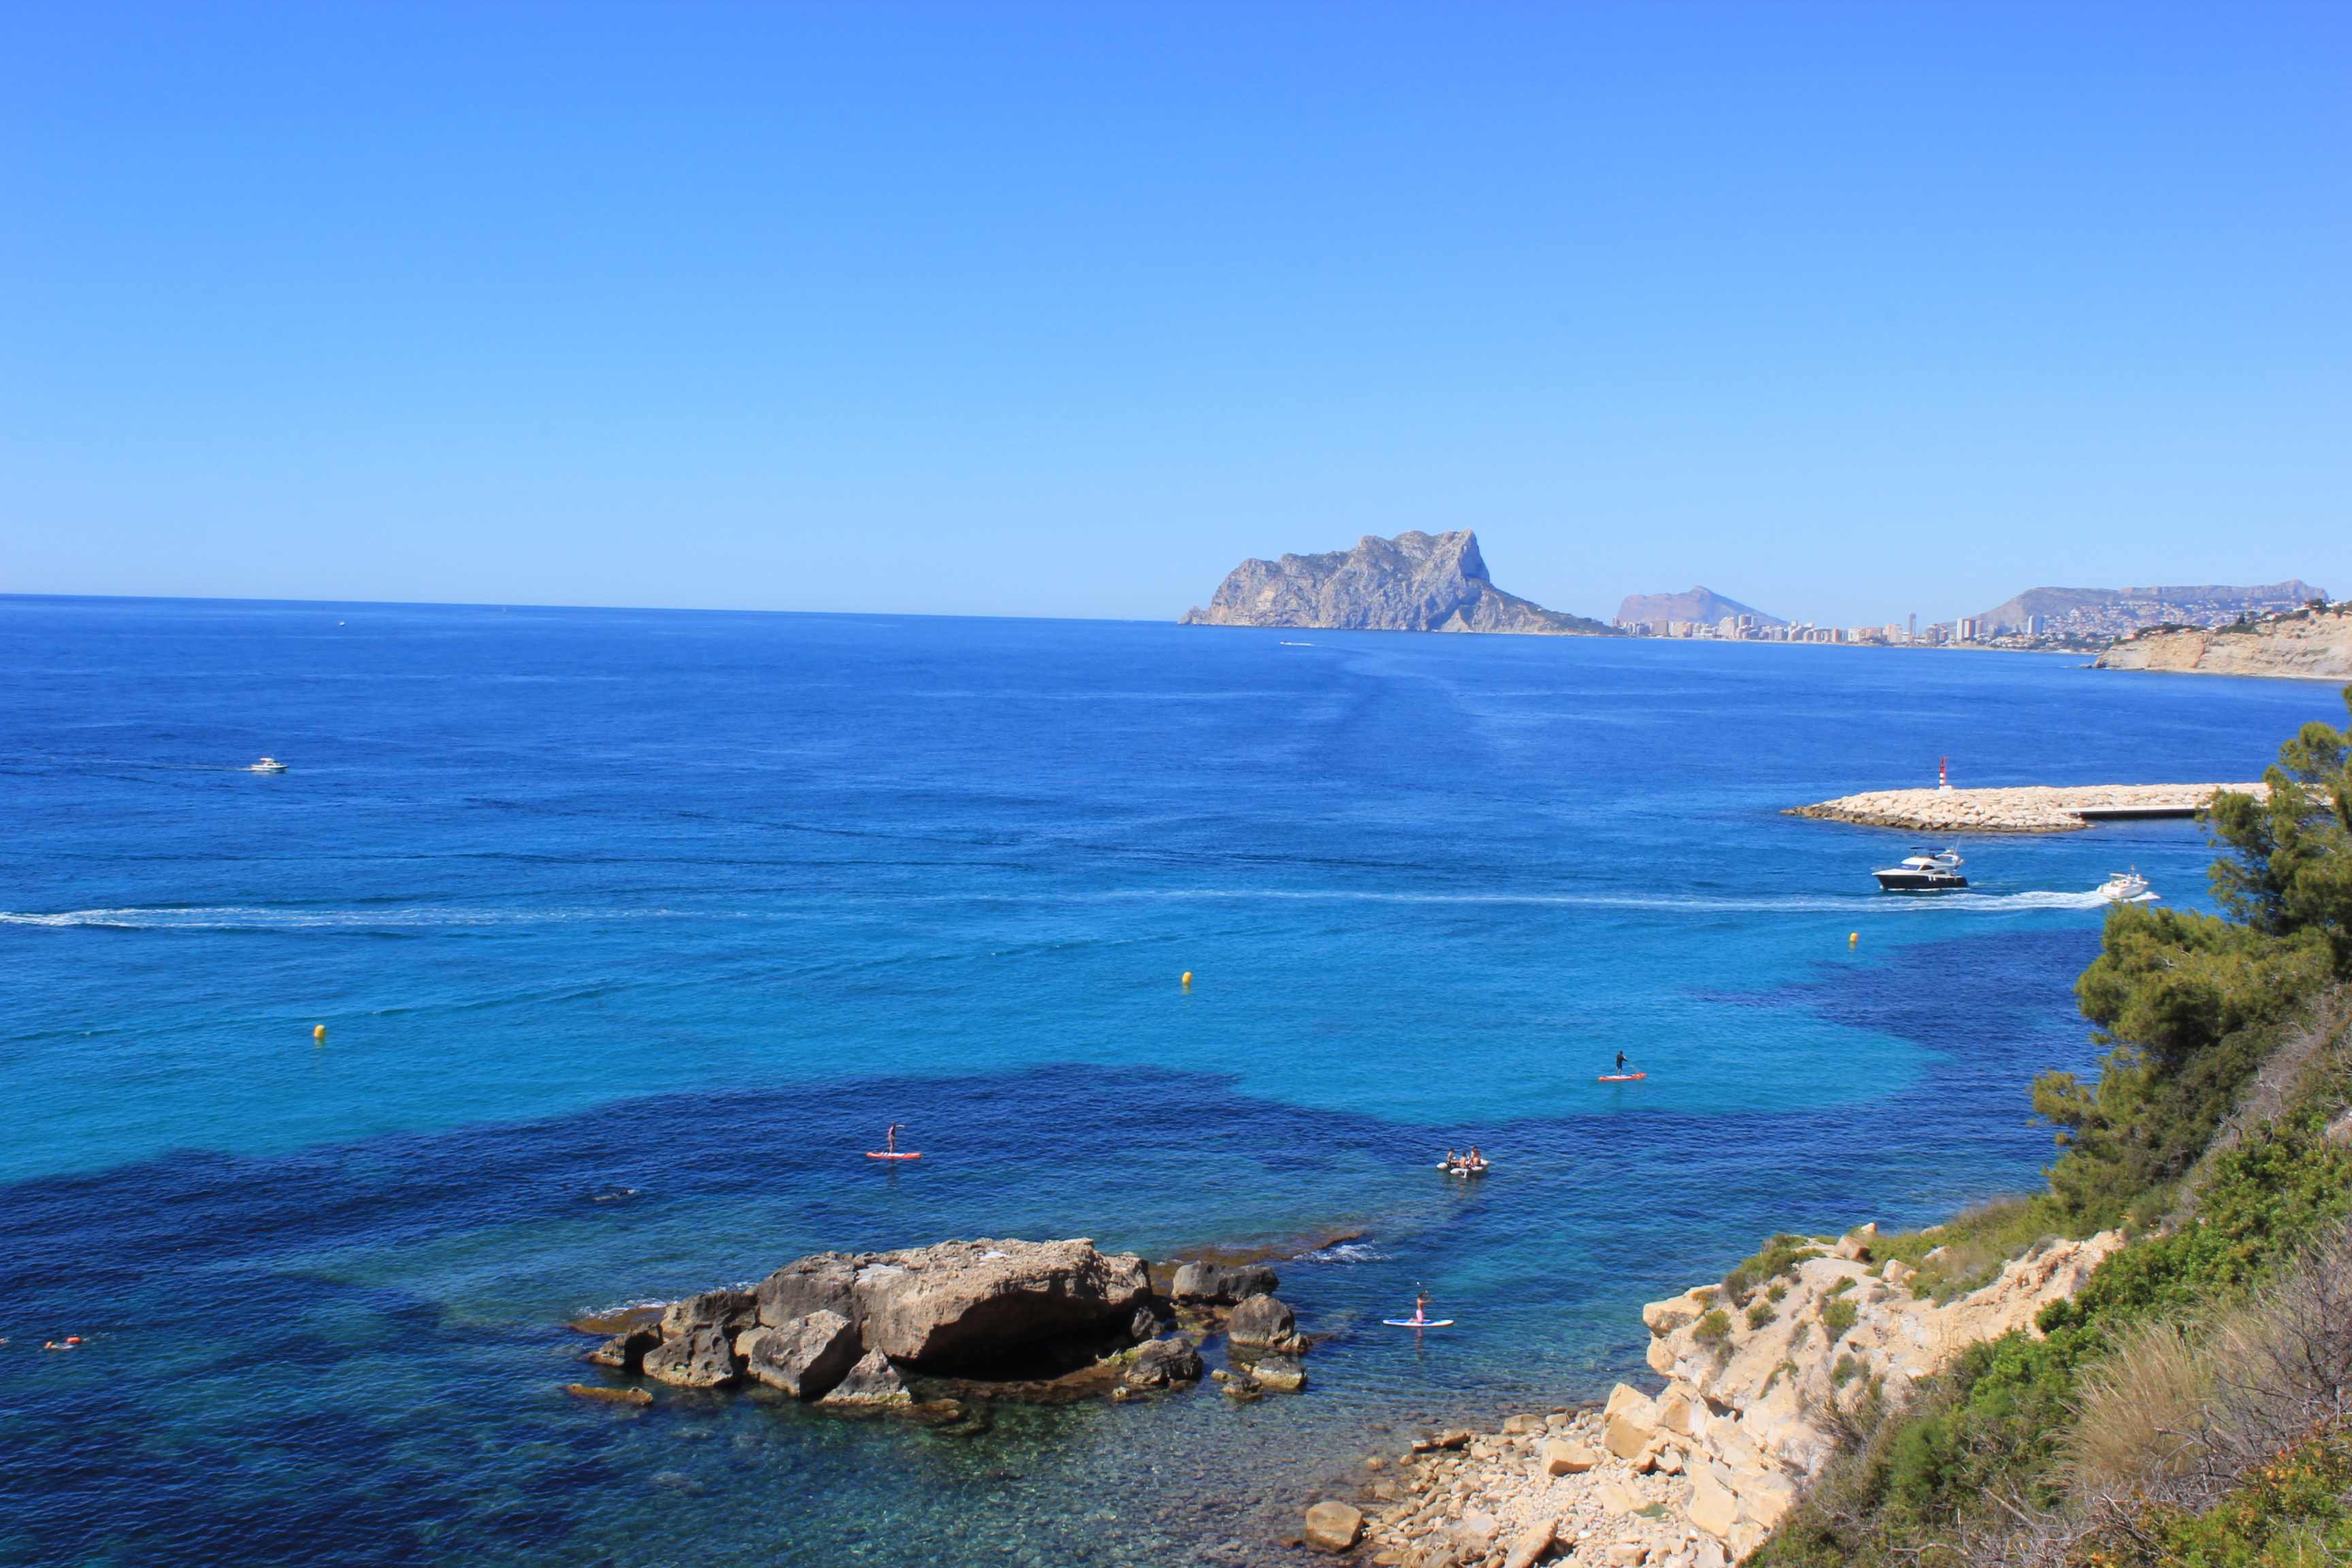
631, 930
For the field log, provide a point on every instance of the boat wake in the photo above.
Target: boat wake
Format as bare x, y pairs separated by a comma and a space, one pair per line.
236, 918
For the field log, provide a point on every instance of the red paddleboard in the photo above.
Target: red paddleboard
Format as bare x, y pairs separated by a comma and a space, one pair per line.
872, 1155
1620, 1077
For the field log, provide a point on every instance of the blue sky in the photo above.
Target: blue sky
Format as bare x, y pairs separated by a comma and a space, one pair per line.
1845, 310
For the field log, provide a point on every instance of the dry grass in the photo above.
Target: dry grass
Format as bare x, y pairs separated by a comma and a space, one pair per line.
2143, 1411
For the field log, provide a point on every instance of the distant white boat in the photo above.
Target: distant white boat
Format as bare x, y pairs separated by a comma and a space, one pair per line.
268, 765
2127, 887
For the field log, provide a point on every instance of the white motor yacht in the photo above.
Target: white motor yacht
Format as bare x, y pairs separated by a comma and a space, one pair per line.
268, 765
1924, 873
2124, 888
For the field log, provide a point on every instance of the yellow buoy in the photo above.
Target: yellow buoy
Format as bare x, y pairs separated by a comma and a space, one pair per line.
1188, 977
318, 1031
1854, 939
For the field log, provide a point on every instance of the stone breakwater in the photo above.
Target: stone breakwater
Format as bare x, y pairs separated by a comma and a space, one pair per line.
1696, 1475
2033, 808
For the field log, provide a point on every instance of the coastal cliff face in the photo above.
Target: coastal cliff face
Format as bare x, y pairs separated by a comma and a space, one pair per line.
2316, 645
1414, 583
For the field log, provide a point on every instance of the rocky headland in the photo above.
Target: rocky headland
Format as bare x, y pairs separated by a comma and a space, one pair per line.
2313, 644
2032, 808
1414, 583
1695, 1475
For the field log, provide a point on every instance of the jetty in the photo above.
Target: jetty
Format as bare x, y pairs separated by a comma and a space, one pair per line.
2032, 808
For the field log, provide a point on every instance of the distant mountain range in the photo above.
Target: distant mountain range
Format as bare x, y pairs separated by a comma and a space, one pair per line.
2148, 606
1698, 605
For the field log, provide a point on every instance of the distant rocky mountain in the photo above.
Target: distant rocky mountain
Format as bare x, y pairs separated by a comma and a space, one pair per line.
2112, 610
1414, 583
1698, 605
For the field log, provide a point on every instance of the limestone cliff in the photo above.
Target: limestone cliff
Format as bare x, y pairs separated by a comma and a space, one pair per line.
2313, 644
1414, 583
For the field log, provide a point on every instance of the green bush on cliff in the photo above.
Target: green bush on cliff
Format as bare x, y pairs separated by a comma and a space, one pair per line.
1994, 1423
2189, 1007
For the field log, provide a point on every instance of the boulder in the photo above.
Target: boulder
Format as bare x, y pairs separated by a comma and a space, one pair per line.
1713, 1507
1282, 1373
1664, 1318
697, 1358
1260, 1320
872, 1382
1628, 1422
1222, 1284
625, 1352
826, 1282
1528, 1547
1164, 1361
962, 1303
1144, 1325
1333, 1526
806, 1357
729, 1312
1567, 1458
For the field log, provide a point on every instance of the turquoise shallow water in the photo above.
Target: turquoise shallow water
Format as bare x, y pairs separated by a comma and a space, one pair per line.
689, 905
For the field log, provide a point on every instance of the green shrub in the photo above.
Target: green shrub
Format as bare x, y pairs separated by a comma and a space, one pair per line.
1837, 1316
1714, 1329
1778, 1256
1842, 1373
1779, 1290
1843, 1285
1759, 1314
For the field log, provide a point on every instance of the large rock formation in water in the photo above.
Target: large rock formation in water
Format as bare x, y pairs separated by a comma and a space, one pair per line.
1414, 583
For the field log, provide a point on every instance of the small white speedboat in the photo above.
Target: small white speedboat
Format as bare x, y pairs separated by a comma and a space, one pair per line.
268, 765
2126, 887
1922, 873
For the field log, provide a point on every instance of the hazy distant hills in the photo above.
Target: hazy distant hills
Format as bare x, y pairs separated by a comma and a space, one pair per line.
1414, 583
2148, 605
1698, 605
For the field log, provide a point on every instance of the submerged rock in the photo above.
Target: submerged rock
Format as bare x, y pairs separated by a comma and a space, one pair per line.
1281, 1373
1164, 1361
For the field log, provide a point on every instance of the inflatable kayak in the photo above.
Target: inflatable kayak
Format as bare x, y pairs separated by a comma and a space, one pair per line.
1621, 1077
1408, 1323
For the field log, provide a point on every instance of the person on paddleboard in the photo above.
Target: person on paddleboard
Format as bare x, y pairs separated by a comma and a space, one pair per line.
1621, 1064
1421, 1307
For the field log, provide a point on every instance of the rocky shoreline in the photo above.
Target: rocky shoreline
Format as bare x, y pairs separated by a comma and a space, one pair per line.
2309, 644
1696, 1475
2034, 808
